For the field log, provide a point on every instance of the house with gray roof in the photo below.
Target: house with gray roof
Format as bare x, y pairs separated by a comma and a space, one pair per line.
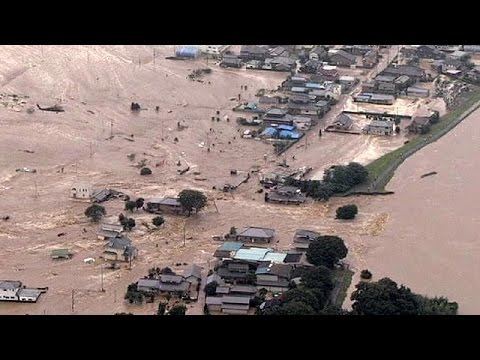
120, 249
256, 235
302, 239
193, 274
343, 122
378, 127
167, 204
148, 285
341, 58
273, 277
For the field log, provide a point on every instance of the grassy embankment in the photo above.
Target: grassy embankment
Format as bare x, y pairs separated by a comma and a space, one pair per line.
383, 168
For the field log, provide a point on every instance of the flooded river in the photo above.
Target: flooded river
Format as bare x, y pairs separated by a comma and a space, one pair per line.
431, 242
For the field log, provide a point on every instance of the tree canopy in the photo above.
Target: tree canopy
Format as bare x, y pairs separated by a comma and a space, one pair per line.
130, 205
95, 212
192, 200
347, 212
178, 309
158, 221
326, 250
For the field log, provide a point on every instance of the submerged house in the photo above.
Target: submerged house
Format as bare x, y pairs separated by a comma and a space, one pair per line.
256, 235
167, 204
378, 127
120, 249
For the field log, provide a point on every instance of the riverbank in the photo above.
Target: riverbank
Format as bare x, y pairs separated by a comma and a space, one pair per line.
381, 170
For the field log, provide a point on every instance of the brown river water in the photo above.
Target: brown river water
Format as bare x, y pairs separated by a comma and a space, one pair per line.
431, 242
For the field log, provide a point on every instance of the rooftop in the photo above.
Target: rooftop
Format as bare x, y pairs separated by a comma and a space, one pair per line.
231, 246
10, 284
193, 270
252, 254
257, 232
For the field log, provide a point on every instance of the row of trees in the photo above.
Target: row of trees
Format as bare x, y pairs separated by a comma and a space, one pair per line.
312, 295
191, 201
385, 297
336, 179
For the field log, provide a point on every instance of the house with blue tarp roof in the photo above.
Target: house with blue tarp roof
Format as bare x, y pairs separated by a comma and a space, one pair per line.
286, 127
269, 131
314, 86
286, 134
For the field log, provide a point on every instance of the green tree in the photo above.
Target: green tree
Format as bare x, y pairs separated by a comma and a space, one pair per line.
384, 298
397, 129
130, 205
326, 250
358, 172
192, 200
129, 224
319, 281
95, 212
161, 308
296, 308
437, 306
145, 171
366, 275
139, 203
158, 221
347, 212
179, 309
211, 288
303, 295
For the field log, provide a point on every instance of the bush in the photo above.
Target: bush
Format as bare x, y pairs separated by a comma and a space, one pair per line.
95, 212
161, 308
130, 205
326, 250
129, 224
365, 275
347, 212
178, 309
145, 171
158, 221
397, 129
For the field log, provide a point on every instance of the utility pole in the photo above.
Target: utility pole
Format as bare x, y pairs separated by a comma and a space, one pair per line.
36, 192
91, 153
101, 270
154, 57
73, 300
115, 296
184, 234
111, 128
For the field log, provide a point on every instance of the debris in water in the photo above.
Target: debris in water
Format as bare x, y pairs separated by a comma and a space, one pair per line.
429, 174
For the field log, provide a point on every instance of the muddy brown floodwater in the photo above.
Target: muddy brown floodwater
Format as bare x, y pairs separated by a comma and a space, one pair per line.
431, 242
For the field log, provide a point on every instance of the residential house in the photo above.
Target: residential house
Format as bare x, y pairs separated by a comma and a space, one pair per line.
429, 52
382, 99
61, 254
343, 122
108, 231
231, 61
418, 125
318, 54
235, 305
256, 235
285, 195
471, 48
378, 127
282, 63
268, 100
254, 64
253, 52
227, 249
174, 285
11, 290
370, 59
167, 204
273, 277
418, 92
346, 81
80, 192
328, 72
193, 274
120, 249
402, 82
414, 72
304, 122
278, 51
235, 271
310, 67
277, 116
148, 285
303, 238
451, 64
341, 58
358, 49
459, 55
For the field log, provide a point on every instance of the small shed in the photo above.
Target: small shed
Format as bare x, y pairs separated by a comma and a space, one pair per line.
61, 254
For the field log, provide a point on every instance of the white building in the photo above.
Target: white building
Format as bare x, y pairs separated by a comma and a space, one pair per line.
211, 49
80, 192
9, 289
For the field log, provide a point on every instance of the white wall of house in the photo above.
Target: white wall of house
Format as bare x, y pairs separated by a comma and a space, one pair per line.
80, 192
8, 294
